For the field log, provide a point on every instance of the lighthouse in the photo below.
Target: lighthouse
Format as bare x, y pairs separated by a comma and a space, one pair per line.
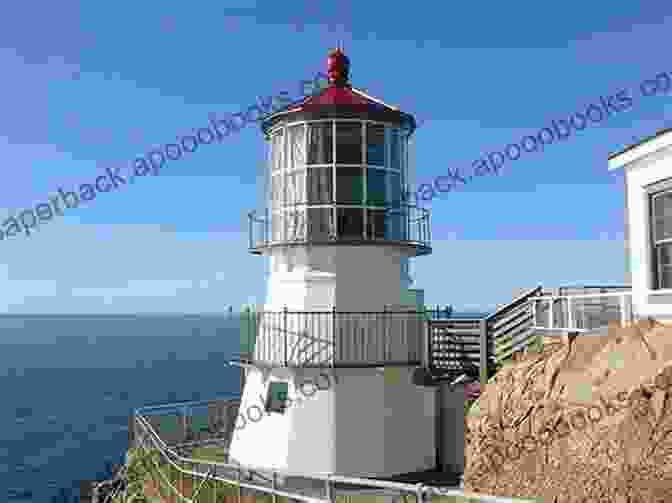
329, 387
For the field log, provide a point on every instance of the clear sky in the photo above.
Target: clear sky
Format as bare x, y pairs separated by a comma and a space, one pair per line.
92, 85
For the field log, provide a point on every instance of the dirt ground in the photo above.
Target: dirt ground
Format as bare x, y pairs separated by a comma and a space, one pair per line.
587, 419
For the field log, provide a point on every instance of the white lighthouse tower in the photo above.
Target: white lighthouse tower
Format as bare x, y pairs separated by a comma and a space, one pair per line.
329, 388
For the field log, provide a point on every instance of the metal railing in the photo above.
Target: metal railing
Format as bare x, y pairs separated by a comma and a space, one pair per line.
339, 338
477, 346
511, 328
403, 225
194, 423
474, 346
582, 312
240, 481
445, 345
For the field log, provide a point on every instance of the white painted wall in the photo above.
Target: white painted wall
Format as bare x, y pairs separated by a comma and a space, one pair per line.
351, 278
301, 439
384, 423
370, 422
643, 171
311, 436
264, 443
355, 278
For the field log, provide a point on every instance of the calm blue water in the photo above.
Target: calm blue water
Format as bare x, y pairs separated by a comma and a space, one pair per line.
69, 383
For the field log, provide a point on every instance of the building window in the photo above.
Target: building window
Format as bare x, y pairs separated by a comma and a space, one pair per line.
661, 213
276, 400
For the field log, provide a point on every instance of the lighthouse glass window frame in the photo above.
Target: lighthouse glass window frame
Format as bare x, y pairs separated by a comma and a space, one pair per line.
278, 184
338, 179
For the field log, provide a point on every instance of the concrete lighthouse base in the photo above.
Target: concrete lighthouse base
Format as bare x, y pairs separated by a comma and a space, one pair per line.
367, 422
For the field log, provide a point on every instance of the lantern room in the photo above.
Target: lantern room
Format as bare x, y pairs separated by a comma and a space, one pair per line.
338, 173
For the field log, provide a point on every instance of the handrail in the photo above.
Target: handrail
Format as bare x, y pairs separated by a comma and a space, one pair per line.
414, 231
187, 404
521, 299
564, 316
240, 483
418, 489
582, 295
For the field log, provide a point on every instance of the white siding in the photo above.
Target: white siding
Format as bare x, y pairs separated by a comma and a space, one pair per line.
641, 172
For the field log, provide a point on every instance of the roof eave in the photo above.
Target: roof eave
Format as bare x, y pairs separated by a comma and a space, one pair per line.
662, 139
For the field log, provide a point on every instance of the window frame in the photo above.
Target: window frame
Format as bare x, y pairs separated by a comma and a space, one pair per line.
658, 189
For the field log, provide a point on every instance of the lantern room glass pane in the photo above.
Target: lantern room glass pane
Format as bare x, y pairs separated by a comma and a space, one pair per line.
376, 189
296, 187
375, 144
277, 227
349, 185
394, 189
395, 150
320, 185
376, 224
350, 223
319, 224
320, 143
395, 224
295, 223
277, 190
296, 136
349, 143
277, 153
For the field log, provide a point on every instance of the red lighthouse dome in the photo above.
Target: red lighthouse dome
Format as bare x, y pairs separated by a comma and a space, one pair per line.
340, 100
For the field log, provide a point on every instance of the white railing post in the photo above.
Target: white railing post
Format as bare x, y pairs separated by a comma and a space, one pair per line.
550, 313
625, 302
275, 486
533, 303
570, 317
329, 490
418, 493
184, 424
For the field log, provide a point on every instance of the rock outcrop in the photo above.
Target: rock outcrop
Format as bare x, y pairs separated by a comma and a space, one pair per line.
586, 419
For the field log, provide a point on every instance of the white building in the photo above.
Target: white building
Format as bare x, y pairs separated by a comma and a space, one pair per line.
648, 223
339, 330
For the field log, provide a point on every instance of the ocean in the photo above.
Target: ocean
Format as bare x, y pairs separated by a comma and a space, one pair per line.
69, 383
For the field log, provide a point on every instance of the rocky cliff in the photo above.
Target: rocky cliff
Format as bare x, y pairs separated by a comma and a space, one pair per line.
586, 419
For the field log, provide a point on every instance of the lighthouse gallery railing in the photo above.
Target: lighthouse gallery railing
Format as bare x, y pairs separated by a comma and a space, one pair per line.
402, 225
339, 339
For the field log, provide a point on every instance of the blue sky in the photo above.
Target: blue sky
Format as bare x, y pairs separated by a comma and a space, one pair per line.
90, 86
